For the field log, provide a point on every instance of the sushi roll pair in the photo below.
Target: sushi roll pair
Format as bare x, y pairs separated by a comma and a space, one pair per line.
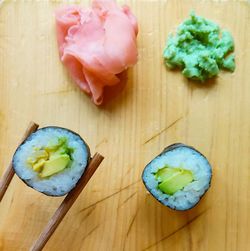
51, 160
178, 177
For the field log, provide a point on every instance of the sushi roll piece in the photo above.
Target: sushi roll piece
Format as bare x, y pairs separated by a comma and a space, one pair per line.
51, 160
178, 177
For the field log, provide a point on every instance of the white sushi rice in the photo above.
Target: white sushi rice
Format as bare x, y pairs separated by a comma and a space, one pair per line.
58, 184
186, 158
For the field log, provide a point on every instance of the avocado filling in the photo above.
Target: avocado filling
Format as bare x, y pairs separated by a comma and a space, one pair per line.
51, 159
171, 180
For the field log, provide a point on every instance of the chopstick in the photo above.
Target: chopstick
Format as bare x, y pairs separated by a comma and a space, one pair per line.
67, 203
9, 173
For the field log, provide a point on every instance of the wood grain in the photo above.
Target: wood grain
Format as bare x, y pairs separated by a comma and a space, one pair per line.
158, 107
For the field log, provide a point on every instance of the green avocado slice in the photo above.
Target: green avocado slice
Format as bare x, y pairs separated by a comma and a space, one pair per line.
51, 159
165, 173
172, 180
55, 144
55, 165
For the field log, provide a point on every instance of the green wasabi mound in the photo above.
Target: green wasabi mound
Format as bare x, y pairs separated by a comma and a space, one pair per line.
200, 49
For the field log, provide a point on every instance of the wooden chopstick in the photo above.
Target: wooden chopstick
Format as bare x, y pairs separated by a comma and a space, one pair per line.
9, 173
67, 203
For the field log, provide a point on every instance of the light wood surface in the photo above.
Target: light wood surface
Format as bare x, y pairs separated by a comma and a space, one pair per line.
157, 108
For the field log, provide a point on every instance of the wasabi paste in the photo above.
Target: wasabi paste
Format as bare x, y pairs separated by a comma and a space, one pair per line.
200, 49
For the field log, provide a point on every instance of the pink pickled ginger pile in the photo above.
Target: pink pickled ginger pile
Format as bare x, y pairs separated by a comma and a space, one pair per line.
97, 45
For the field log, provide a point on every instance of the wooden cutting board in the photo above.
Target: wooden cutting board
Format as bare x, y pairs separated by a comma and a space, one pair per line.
158, 107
